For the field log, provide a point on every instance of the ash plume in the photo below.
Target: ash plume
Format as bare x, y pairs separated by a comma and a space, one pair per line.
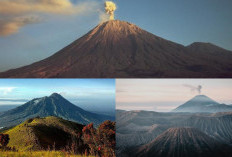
110, 7
194, 88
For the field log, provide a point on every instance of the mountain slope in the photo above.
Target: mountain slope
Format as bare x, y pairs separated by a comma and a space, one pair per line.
180, 142
210, 53
116, 49
54, 105
136, 128
202, 103
218, 126
41, 133
4, 108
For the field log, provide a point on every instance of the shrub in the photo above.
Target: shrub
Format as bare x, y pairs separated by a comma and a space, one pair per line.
4, 139
102, 140
89, 137
106, 134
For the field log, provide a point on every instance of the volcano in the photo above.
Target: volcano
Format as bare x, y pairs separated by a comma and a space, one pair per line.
180, 142
117, 49
138, 130
53, 105
202, 103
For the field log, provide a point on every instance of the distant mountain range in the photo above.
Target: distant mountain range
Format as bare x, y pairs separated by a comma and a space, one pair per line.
4, 108
138, 132
202, 103
118, 49
53, 105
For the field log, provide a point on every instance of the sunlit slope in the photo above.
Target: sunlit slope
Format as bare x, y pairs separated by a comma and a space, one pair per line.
41, 133
118, 49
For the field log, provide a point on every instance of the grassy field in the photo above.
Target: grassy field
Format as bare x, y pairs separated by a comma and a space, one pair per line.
40, 133
37, 154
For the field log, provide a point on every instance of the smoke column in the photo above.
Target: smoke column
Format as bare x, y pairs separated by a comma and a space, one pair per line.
110, 7
199, 89
193, 88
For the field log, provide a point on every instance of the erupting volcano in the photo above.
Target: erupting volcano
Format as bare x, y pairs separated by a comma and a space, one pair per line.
117, 49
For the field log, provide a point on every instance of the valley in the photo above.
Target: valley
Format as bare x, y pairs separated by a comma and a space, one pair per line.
164, 134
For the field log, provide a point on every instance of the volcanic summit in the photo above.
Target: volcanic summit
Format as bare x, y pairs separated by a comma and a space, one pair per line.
118, 49
180, 142
202, 103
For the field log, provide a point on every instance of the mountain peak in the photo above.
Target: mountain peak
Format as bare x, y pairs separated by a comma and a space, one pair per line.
119, 49
201, 95
202, 103
204, 46
55, 95
178, 131
202, 98
179, 142
118, 25
54, 105
113, 31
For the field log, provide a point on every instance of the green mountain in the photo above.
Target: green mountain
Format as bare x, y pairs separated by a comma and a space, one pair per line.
53, 105
43, 133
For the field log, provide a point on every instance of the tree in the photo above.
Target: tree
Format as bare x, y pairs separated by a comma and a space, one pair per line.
4, 139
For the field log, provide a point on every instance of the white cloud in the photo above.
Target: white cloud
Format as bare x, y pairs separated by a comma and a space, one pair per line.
15, 14
6, 90
11, 103
166, 94
12, 25
9, 7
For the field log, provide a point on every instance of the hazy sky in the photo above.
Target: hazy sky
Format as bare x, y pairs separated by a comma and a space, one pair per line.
163, 95
30, 32
90, 94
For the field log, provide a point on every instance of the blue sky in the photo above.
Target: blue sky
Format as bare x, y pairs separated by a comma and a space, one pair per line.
91, 94
163, 95
181, 21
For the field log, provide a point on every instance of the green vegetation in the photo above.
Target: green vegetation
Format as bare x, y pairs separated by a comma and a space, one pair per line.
42, 133
53, 136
